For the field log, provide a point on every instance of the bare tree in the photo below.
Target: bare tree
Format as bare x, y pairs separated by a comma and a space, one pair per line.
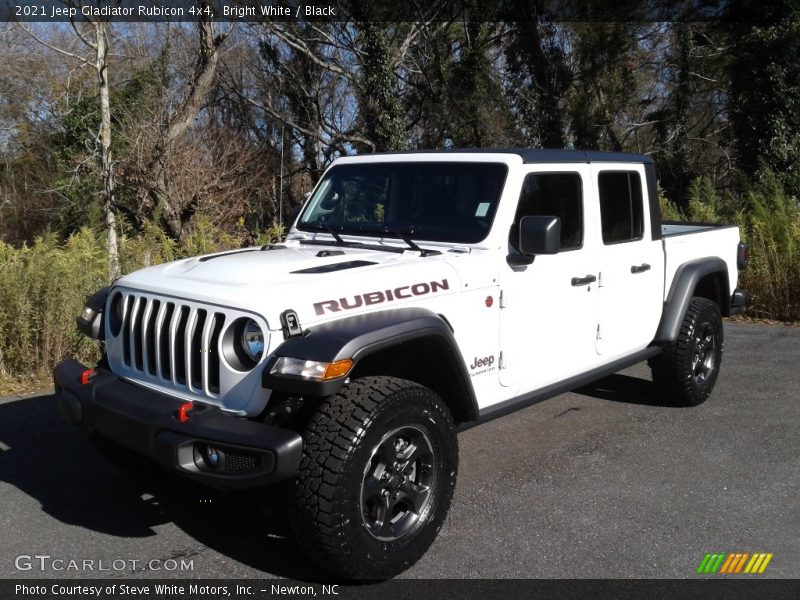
153, 194
94, 36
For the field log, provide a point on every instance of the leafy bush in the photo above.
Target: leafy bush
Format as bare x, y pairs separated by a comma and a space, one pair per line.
771, 224
43, 288
769, 221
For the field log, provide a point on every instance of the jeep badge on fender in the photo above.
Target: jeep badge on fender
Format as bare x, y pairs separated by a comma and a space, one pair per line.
477, 363
341, 363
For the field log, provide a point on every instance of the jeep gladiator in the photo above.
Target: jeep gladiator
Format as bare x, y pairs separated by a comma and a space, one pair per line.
416, 294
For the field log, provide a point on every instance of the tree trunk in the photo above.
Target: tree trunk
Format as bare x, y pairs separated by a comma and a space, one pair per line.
101, 64
154, 194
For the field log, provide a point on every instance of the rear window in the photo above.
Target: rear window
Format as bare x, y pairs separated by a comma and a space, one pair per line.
621, 209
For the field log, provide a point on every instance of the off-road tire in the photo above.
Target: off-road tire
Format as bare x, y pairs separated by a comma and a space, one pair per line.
685, 372
334, 513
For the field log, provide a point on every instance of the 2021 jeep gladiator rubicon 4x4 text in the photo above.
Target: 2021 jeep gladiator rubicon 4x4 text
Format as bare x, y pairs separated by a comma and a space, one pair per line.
415, 294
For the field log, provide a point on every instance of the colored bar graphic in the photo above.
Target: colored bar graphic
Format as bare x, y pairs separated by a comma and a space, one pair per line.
727, 566
741, 562
732, 562
765, 563
718, 563
704, 563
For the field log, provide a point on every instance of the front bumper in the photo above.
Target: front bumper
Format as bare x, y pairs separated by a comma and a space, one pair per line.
248, 454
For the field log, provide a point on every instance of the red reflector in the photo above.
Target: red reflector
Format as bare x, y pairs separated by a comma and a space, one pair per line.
86, 376
489, 301
183, 412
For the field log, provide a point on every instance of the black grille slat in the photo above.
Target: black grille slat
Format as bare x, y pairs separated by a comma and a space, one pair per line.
163, 341
213, 356
138, 311
180, 346
150, 326
126, 332
196, 349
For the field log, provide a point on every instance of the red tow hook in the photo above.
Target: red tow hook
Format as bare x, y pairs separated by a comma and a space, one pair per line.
182, 414
87, 376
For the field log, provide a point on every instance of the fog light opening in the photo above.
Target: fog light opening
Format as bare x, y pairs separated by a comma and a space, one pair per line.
212, 457
209, 458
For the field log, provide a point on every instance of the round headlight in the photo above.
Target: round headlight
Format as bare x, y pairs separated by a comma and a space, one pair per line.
253, 340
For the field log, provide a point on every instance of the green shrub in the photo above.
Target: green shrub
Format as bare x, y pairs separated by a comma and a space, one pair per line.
704, 203
42, 289
669, 211
771, 223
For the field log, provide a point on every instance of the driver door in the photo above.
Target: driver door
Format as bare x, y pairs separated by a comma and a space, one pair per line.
549, 308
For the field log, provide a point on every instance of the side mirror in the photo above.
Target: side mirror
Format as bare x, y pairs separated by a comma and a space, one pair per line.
539, 235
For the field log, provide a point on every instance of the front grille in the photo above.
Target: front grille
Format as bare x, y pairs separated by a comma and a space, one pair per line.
169, 342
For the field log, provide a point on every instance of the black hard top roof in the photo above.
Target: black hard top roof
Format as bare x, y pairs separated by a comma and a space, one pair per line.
545, 156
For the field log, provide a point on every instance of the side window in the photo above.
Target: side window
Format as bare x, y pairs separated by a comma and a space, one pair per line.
556, 195
621, 209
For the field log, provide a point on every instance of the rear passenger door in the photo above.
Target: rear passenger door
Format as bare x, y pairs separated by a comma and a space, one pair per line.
631, 262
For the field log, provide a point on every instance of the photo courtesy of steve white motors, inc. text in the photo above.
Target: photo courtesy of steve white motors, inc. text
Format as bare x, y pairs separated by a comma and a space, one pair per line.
171, 589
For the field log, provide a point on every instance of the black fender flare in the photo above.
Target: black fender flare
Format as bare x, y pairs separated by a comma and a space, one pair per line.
681, 291
360, 336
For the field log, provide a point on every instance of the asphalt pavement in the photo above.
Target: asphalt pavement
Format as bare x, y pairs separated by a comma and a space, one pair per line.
603, 482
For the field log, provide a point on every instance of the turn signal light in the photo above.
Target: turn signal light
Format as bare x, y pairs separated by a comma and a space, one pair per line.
337, 369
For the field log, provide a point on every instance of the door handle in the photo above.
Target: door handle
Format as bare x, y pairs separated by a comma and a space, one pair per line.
640, 268
583, 280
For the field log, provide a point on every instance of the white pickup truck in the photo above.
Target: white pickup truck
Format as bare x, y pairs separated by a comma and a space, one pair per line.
416, 294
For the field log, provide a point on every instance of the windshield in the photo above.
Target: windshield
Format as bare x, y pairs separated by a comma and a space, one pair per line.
437, 201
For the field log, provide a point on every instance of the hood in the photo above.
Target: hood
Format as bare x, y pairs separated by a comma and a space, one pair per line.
316, 281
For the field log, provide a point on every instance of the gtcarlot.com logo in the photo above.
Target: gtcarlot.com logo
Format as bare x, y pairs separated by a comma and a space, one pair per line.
732, 563
46, 562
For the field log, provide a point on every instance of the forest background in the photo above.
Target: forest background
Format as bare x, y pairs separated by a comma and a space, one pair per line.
128, 144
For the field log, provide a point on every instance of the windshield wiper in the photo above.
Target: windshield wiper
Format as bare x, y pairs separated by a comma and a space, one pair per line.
327, 229
335, 235
404, 235
341, 242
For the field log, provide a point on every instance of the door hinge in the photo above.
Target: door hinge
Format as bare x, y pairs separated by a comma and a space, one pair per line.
501, 361
600, 279
599, 337
502, 300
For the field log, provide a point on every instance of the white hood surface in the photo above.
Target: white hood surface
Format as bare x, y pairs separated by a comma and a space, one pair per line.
269, 281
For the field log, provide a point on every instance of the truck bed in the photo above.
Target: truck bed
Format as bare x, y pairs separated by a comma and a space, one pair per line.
673, 228
686, 241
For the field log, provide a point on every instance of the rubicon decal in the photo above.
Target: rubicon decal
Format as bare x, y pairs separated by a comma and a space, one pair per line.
734, 562
378, 297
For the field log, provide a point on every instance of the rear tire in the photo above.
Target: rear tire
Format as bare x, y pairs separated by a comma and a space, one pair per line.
687, 369
376, 478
